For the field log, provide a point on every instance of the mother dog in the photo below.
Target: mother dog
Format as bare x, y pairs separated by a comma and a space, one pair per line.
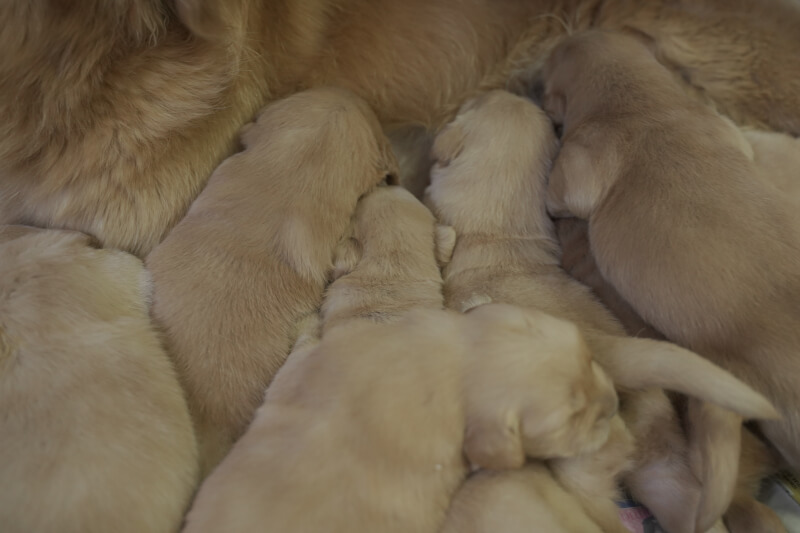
116, 112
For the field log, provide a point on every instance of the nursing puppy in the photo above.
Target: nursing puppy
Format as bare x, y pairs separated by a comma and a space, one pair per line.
492, 191
95, 434
331, 450
661, 178
388, 265
253, 254
745, 513
578, 261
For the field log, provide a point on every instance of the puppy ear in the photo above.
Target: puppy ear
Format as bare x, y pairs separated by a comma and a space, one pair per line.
714, 450
346, 256
445, 242
575, 184
494, 443
211, 20
449, 143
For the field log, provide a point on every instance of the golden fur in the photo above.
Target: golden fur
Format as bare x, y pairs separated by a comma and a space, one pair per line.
365, 431
659, 176
388, 265
489, 183
252, 256
95, 434
736, 54
115, 113
516, 501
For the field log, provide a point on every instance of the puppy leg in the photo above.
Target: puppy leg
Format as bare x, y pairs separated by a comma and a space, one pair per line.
714, 448
592, 478
746, 514
516, 501
661, 478
445, 241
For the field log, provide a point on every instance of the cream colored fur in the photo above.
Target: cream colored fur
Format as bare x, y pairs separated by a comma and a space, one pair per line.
516, 501
489, 183
388, 265
365, 431
95, 435
679, 222
253, 254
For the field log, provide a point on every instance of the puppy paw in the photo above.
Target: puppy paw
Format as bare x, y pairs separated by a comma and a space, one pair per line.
474, 301
445, 240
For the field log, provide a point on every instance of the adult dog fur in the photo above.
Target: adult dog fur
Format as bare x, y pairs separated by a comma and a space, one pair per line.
115, 113
660, 177
388, 265
331, 449
491, 189
95, 434
253, 255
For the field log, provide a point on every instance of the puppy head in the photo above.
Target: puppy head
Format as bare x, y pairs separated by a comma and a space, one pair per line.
393, 215
531, 388
489, 162
577, 71
328, 136
313, 155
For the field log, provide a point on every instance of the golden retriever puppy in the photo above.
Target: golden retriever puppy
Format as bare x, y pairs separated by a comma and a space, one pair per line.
95, 434
253, 255
116, 113
679, 222
389, 263
516, 501
489, 183
578, 261
332, 447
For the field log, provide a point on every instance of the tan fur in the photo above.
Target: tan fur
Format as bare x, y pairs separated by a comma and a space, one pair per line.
115, 113
365, 431
388, 266
95, 434
659, 178
489, 183
777, 160
737, 54
516, 501
577, 260
253, 254
746, 514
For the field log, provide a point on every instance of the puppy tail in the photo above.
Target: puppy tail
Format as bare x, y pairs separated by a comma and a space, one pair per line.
715, 440
643, 363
